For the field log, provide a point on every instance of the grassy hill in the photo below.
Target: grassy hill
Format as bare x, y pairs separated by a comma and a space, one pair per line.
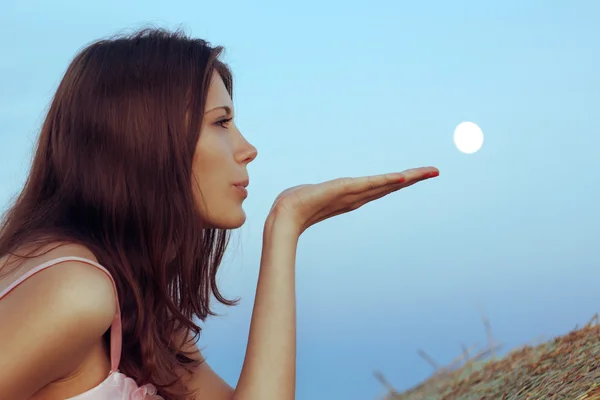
567, 367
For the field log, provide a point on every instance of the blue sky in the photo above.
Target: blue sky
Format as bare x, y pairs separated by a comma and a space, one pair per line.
357, 88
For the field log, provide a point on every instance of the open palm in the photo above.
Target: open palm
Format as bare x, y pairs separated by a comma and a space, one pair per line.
313, 203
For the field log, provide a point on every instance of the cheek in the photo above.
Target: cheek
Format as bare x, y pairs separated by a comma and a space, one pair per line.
210, 164
213, 149
203, 157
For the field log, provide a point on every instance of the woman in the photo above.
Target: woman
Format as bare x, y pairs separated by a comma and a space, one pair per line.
112, 247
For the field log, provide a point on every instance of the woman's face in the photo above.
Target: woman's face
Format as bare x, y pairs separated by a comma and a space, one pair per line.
220, 162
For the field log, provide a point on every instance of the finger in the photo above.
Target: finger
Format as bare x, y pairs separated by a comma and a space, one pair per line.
375, 182
417, 174
413, 177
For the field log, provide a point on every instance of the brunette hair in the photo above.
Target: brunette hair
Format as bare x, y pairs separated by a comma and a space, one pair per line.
113, 171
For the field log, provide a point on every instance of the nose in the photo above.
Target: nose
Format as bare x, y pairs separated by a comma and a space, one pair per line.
248, 153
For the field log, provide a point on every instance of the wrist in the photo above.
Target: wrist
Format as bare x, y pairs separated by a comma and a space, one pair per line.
281, 224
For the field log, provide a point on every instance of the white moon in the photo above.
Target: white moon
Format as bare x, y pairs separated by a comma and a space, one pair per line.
468, 137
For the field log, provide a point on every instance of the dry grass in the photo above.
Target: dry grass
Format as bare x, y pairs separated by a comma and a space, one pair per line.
567, 367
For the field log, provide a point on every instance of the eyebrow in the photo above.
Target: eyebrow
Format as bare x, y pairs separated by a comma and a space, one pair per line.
226, 108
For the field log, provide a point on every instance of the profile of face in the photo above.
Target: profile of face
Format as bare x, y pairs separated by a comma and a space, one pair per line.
220, 162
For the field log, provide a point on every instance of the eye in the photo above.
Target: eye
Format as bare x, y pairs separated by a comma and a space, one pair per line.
222, 123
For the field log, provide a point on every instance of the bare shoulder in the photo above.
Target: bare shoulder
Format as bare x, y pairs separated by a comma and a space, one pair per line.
51, 321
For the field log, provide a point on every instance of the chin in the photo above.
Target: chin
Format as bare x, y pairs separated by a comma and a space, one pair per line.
232, 220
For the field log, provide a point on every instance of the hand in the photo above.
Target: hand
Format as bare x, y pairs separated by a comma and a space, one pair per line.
306, 205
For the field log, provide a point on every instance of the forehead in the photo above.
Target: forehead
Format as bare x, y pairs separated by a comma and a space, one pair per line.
217, 93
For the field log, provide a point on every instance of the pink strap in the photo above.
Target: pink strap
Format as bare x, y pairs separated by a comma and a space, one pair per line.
115, 327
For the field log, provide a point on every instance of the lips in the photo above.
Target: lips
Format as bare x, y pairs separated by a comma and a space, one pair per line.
242, 184
242, 190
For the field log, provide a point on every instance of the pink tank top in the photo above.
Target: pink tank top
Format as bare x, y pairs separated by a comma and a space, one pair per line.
116, 386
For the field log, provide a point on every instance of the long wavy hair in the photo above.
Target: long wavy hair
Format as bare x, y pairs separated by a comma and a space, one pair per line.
113, 171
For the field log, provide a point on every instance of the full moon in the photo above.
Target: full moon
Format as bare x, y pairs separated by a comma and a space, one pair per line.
468, 137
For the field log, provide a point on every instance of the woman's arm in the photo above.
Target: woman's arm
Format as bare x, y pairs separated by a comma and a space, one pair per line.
269, 366
269, 370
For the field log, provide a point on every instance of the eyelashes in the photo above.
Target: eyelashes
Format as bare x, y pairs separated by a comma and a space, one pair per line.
222, 123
